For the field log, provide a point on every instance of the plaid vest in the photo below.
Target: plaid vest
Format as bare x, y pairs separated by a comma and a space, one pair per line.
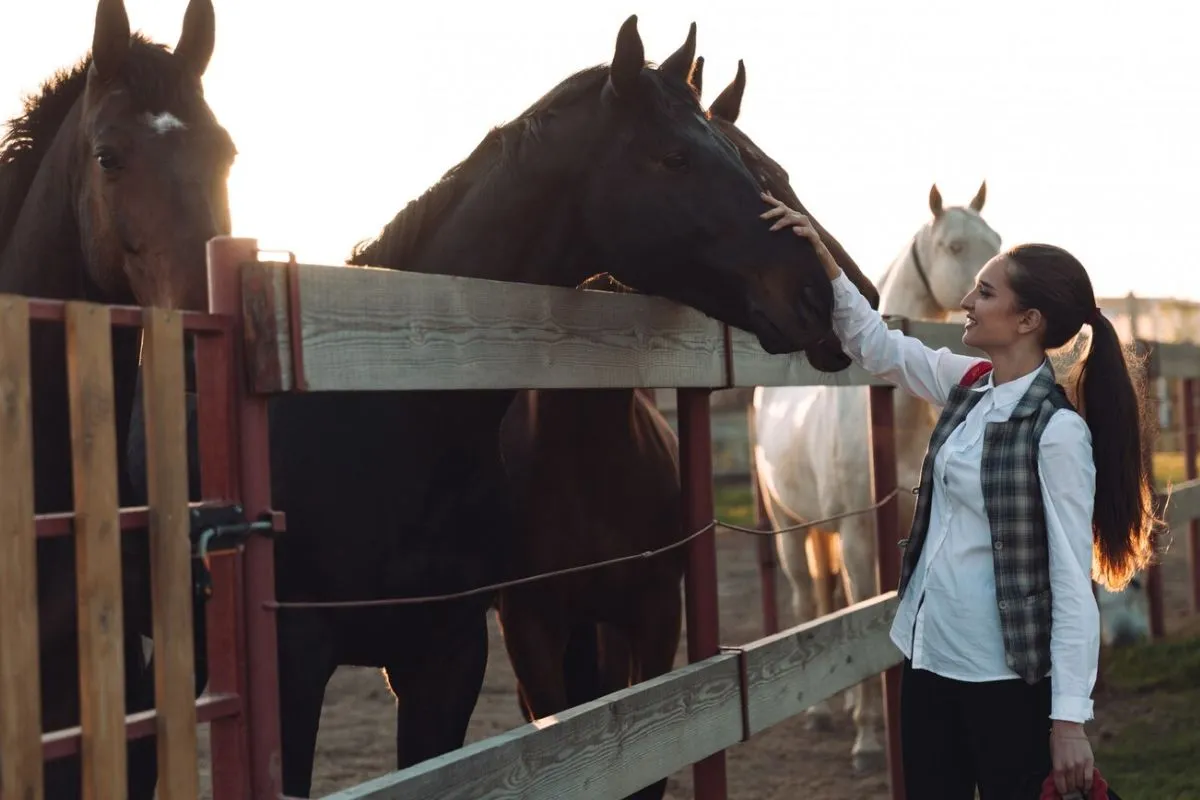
1013, 498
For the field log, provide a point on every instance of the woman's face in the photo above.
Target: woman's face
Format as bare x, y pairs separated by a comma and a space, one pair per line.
994, 319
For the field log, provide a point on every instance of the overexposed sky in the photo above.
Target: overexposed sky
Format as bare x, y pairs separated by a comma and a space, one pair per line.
1083, 116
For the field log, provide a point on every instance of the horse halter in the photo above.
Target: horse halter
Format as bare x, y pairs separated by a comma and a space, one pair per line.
916, 258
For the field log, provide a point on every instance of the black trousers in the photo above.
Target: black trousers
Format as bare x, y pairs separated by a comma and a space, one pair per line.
956, 736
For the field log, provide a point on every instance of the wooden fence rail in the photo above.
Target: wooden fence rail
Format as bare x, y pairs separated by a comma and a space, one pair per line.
619, 743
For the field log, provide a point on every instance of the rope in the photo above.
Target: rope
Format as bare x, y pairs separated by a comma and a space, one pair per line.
815, 523
409, 601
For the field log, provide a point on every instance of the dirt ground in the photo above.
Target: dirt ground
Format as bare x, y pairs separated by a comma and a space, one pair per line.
357, 724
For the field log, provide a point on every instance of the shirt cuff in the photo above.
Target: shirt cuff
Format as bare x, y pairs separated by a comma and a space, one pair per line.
1070, 709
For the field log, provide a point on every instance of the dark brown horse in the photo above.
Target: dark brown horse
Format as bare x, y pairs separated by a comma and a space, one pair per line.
111, 182
393, 494
595, 476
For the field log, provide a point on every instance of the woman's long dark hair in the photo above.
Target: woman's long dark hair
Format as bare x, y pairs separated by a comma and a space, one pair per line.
1106, 387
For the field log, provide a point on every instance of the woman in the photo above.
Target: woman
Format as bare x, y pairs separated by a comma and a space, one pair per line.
1022, 502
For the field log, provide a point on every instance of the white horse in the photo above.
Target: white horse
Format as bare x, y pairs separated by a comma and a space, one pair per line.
811, 451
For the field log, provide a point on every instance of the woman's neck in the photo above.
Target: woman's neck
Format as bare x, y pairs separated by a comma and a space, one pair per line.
1010, 364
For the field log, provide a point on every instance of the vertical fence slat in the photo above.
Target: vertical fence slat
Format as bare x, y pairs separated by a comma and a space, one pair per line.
20, 711
1154, 582
97, 550
882, 421
170, 553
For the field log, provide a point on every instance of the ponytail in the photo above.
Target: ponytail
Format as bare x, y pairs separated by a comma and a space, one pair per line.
1106, 386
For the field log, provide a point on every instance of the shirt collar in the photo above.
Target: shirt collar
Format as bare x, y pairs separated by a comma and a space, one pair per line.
1008, 394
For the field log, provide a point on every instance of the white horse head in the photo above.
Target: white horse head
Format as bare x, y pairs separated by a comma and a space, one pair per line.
929, 279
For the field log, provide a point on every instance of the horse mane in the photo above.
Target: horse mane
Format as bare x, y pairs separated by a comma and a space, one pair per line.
402, 240
153, 79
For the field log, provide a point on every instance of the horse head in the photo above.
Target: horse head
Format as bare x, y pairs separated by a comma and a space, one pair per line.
153, 162
665, 176
826, 355
952, 247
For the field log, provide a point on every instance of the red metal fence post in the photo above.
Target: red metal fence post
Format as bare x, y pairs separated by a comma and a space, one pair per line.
225, 257
1187, 421
703, 623
887, 538
229, 737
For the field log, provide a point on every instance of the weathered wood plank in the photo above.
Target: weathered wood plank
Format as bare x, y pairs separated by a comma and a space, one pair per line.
97, 549
790, 671
752, 366
604, 749
268, 340
1174, 360
370, 329
170, 553
1184, 503
20, 708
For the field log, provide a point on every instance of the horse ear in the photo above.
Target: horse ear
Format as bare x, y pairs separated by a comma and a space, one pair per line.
728, 104
628, 60
696, 79
935, 201
679, 63
110, 39
198, 37
980, 196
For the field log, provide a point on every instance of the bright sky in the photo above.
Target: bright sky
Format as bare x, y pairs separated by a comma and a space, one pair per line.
1081, 114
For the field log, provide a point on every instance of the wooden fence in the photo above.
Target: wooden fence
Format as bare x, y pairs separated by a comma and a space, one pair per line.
316, 328
97, 529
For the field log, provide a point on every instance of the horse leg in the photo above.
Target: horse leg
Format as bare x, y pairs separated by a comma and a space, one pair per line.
306, 663
654, 640
794, 562
819, 550
535, 637
858, 552
434, 702
583, 663
142, 753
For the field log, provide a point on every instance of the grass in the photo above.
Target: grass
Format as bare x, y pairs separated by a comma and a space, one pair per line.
734, 503
1150, 748
1168, 468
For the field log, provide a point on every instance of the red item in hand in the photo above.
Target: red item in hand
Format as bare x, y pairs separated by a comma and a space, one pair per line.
1099, 788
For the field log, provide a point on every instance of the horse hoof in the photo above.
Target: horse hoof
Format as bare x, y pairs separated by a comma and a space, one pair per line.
821, 723
869, 762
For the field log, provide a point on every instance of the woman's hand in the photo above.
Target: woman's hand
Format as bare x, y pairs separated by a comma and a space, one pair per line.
1071, 755
801, 227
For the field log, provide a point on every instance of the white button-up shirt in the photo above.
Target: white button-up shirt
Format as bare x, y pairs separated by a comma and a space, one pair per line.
948, 621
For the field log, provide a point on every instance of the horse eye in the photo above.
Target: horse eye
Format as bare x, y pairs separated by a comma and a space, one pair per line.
675, 161
108, 159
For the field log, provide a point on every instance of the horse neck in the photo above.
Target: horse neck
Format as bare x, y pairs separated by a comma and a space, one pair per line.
520, 223
905, 294
44, 257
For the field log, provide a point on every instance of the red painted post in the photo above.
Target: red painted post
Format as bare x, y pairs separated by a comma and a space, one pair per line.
703, 623
887, 538
225, 256
1187, 420
226, 647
